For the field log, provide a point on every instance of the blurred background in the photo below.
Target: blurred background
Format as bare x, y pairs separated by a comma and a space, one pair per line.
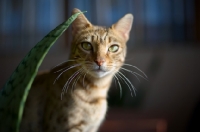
164, 43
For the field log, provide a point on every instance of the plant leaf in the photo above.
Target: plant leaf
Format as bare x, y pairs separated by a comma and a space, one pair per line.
15, 91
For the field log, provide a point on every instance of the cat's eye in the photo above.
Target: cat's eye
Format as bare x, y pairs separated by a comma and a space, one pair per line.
86, 46
113, 48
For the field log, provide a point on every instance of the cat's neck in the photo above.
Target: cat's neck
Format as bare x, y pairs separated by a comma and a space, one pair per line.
88, 87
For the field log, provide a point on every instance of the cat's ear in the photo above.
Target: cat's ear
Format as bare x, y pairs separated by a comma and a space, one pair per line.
123, 26
80, 22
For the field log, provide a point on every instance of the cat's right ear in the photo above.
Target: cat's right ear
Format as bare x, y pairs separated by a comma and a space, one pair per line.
80, 23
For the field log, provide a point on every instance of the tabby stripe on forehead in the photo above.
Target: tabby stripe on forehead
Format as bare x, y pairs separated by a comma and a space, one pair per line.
92, 38
85, 32
110, 39
106, 34
101, 40
97, 37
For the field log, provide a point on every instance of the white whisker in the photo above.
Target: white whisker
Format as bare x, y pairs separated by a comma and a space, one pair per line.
76, 80
63, 63
84, 79
65, 68
61, 95
65, 88
125, 83
115, 82
120, 87
68, 68
135, 74
128, 82
137, 69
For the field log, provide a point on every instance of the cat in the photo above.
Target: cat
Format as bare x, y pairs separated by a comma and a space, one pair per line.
72, 97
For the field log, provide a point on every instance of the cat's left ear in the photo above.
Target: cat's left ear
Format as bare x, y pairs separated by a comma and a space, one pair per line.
123, 26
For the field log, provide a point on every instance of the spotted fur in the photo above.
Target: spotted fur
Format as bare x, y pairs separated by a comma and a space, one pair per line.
72, 96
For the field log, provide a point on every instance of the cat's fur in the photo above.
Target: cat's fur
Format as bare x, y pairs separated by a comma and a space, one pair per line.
83, 81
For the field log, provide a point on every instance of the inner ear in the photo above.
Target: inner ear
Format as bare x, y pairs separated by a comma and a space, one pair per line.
80, 23
123, 26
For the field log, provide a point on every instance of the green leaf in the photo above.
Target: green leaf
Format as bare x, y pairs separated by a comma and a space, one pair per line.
15, 91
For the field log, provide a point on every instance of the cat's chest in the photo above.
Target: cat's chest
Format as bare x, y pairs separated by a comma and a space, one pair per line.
81, 104
74, 108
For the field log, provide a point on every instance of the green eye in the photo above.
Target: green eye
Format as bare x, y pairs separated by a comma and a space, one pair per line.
86, 46
113, 48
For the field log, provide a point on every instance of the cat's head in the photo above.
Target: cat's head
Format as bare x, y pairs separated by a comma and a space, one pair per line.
100, 51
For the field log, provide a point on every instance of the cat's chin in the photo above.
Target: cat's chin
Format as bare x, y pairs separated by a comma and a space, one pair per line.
99, 73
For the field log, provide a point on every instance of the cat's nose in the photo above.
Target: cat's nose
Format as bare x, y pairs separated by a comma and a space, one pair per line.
99, 61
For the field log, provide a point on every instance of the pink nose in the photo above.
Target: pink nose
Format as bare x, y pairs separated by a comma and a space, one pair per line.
99, 62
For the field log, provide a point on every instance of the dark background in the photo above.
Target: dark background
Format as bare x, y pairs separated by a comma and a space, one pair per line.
164, 43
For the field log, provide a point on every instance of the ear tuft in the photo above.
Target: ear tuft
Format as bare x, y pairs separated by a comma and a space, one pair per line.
123, 26
80, 22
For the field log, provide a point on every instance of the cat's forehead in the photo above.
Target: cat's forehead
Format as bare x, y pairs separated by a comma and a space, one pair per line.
100, 34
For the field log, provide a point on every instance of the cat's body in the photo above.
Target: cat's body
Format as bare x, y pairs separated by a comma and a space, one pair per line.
97, 54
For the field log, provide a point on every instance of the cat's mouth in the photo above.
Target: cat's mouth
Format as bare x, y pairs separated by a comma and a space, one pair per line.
100, 69
99, 72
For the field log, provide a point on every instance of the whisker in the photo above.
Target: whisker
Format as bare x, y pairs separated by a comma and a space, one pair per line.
120, 87
136, 68
60, 70
140, 76
69, 80
61, 95
76, 80
79, 62
112, 66
84, 79
65, 71
115, 82
65, 88
134, 73
133, 88
125, 83
62, 63
65, 68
